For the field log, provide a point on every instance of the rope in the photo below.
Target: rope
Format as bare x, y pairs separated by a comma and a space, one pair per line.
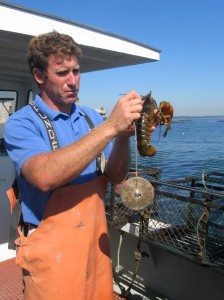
203, 179
138, 253
118, 267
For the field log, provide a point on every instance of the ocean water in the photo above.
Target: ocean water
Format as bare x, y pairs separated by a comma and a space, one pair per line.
192, 146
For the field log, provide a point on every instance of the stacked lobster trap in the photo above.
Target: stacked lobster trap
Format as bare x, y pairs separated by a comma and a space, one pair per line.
186, 217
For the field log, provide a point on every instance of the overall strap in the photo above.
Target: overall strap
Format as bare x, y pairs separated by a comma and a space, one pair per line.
88, 120
100, 159
50, 129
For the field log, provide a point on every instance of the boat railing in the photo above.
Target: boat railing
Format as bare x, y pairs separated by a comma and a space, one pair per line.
186, 216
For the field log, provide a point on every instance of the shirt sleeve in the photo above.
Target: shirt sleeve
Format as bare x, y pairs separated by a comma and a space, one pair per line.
22, 139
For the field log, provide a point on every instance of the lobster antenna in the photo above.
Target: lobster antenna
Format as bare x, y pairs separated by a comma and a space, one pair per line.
136, 152
143, 97
147, 96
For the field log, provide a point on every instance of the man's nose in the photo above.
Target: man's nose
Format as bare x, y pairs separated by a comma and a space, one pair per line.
72, 78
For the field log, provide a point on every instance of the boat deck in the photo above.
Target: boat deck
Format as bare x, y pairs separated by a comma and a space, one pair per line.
11, 282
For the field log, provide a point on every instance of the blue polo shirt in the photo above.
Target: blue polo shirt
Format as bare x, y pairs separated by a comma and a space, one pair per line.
26, 136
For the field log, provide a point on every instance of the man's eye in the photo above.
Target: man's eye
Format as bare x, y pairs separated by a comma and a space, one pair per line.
76, 71
62, 72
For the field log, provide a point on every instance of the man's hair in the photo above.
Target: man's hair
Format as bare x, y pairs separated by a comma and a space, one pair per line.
52, 43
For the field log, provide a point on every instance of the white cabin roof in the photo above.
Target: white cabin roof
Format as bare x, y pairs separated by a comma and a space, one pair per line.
101, 50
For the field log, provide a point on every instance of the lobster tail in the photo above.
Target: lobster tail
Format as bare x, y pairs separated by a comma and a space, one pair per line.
144, 125
146, 150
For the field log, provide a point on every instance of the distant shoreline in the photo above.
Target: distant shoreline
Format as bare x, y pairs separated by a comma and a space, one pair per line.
182, 119
215, 116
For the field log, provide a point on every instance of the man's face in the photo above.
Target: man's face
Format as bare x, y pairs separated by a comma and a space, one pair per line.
61, 85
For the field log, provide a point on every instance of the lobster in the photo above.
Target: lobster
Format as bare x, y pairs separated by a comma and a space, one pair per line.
152, 115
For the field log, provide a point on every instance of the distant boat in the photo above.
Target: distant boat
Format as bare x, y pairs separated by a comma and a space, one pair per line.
101, 111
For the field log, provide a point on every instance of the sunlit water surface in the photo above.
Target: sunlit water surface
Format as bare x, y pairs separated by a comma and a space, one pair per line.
193, 145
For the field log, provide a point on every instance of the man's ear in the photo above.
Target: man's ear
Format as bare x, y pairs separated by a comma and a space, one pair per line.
38, 75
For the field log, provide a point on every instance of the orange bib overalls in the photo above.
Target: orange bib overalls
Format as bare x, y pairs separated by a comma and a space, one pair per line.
67, 256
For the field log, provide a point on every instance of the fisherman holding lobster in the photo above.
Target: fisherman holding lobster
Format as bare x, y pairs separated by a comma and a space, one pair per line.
64, 251
63, 155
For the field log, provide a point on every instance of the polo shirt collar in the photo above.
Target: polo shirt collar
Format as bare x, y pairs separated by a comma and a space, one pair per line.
53, 114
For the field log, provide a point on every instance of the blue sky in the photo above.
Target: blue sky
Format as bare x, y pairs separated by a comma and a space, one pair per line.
190, 34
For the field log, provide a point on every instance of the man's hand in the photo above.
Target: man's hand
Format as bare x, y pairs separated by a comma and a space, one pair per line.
127, 110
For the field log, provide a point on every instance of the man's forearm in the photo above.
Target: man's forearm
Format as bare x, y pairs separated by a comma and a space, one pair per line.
48, 171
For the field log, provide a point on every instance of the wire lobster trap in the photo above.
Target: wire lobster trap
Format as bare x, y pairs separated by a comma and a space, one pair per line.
187, 216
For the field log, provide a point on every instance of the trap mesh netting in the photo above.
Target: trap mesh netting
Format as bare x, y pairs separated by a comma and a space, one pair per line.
186, 216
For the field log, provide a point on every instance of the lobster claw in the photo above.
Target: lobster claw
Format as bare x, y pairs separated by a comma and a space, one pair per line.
167, 112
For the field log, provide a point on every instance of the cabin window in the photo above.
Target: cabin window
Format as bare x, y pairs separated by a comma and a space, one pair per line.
30, 97
8, 101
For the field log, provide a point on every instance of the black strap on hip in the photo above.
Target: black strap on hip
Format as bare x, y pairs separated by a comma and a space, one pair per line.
16, 218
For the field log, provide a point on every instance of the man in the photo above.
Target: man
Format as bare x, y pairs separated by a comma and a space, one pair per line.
65, 254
